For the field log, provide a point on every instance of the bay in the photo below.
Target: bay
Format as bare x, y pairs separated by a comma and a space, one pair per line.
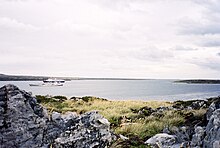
165, 90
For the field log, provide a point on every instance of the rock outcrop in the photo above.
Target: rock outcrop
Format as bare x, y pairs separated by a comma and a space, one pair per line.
25, 123
161, 140
212, 138
207, 136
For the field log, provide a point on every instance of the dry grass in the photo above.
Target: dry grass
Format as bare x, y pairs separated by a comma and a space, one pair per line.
109, 109
121, 114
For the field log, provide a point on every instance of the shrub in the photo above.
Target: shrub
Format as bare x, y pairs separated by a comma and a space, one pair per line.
61, 98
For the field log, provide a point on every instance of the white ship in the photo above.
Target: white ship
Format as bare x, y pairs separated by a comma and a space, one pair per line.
50, 82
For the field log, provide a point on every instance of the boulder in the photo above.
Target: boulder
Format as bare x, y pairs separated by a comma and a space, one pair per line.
25, 123
214, 106
162, 140
212, 138
123, 137
22, 120
92, 130
197, 138
183, 133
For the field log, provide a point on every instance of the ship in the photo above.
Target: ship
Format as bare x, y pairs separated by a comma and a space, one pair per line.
50, 82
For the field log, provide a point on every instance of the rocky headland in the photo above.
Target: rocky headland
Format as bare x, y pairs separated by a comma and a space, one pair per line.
199, 81
24, 122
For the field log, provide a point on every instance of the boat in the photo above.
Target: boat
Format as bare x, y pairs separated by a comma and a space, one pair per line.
50, 82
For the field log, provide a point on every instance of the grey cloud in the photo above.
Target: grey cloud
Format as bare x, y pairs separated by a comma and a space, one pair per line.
182, 48
209, 65
146, 54
152, 54
210, 61
211, 43
196, 28
208, 24
71, 36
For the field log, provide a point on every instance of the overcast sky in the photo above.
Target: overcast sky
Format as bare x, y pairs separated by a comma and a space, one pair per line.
111, 38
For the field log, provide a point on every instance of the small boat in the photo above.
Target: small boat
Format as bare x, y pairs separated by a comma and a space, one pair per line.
35, 84
50, 82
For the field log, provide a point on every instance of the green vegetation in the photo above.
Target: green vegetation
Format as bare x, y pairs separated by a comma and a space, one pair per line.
125, 116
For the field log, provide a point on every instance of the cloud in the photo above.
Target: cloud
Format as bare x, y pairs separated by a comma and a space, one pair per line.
207, 23
211, 43
151, 54
204, 30
107, 38
183, 48
208, 27
204, 58
8, 23
206, 40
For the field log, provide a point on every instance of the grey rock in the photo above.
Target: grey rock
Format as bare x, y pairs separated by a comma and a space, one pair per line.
89, 133
207, 136
213, 130
216, 144
25, 123
123, 137
56, 117
183, 133
197, 138
22, 120
214, 106
162, 140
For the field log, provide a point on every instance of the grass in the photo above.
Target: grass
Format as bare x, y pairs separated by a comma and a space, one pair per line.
123, 116
151, 125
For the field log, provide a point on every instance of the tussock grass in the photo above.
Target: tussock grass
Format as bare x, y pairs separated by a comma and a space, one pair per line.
109, 109
123, 115
151, 125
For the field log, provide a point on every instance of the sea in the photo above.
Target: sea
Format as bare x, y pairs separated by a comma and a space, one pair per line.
161, 90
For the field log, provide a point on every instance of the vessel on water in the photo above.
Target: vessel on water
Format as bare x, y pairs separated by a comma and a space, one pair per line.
50, 82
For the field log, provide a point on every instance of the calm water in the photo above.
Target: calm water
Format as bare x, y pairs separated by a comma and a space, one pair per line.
125, 89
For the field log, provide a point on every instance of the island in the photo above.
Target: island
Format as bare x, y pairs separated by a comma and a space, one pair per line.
198, 81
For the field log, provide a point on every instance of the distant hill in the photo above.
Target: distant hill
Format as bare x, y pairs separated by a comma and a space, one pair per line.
199, 81
4, 77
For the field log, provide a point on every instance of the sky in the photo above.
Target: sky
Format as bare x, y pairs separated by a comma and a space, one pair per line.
111, 38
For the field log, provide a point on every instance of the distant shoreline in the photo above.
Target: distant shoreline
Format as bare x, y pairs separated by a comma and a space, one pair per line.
198, 81
4, 77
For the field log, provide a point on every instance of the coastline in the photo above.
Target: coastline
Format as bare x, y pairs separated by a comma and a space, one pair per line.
4, 77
